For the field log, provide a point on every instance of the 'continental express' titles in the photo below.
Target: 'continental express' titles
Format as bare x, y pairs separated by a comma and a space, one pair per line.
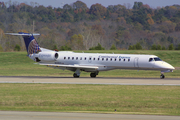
120, 57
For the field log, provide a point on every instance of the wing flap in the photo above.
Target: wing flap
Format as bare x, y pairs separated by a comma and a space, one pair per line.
71, 66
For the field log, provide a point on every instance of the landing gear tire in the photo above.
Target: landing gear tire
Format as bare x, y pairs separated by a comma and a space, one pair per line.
75, 75
93, 75
162, 76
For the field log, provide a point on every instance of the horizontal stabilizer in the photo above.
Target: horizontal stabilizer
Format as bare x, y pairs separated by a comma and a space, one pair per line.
23, 34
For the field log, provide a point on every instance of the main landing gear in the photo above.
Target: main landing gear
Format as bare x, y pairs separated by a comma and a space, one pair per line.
75, 75
93, 74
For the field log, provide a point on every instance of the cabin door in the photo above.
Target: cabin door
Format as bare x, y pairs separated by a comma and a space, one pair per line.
136, 62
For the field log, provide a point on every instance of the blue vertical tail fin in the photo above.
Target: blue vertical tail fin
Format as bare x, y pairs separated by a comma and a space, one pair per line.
30, 42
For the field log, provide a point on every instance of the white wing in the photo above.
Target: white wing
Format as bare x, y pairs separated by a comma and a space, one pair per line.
72, 67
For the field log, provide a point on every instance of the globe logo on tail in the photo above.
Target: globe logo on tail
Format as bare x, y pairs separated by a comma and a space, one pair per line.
33, 47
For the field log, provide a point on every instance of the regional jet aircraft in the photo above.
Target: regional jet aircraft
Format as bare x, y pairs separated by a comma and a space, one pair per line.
91, 62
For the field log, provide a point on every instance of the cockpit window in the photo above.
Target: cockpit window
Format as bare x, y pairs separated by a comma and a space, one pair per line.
157, 59
154, 59
151, 59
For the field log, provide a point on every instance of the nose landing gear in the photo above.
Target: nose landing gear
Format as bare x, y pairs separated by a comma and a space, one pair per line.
162, 76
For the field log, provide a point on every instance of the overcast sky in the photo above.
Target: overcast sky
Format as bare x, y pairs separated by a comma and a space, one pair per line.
106, 3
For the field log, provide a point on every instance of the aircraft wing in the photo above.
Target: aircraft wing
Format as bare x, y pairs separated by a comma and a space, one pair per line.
72, 67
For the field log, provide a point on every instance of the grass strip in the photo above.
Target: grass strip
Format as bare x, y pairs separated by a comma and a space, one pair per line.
157, 100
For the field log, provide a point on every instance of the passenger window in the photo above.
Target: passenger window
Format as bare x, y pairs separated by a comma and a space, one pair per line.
102, 59
94, 59
64, 57
106, 59
115, 59
98, 58
68, 57
89, 58
119, 59
80, 58
128, 59
124, 59
76, 58
111, 59
85, 58
72, 58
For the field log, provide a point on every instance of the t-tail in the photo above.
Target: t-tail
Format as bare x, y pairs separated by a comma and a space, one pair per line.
34, 51
30, 42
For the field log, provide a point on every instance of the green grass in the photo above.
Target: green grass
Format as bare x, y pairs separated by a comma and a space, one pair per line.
160, 100
18, 64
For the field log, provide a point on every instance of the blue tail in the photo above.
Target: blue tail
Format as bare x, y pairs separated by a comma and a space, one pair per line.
30, 42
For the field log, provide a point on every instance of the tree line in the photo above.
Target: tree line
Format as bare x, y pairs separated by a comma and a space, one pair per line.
77, 27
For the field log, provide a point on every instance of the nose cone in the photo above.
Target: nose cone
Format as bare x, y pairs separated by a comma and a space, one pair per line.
164, 66
170, 67
167, 67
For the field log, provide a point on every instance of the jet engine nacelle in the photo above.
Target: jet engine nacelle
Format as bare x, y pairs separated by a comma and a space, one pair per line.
47, 56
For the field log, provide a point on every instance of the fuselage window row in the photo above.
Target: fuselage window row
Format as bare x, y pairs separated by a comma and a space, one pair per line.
73, 58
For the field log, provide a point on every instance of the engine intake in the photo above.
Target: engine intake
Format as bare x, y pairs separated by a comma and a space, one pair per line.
56, 55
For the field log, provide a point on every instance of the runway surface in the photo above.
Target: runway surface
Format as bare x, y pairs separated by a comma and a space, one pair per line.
9, 115
99, 80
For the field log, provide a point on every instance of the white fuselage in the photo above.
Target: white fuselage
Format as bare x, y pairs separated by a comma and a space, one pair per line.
106, 61
90, 62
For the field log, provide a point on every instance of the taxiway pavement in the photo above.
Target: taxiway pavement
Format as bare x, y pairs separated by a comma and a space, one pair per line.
86, 80
11, 115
